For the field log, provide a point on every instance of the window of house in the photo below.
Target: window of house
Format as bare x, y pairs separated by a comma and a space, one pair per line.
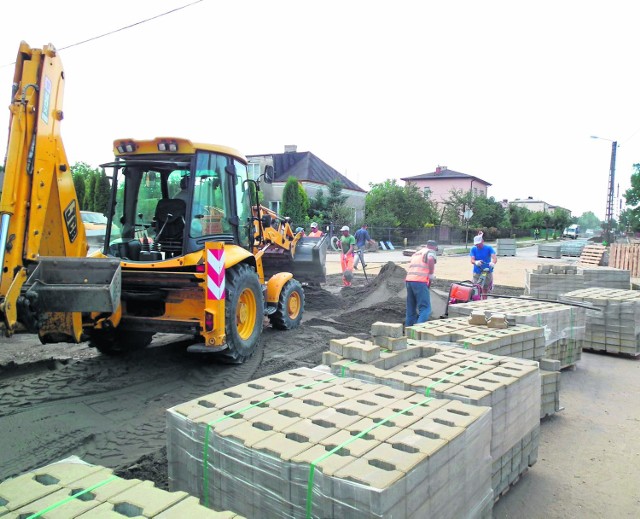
253, 171
275, 206
426, 191
475, 191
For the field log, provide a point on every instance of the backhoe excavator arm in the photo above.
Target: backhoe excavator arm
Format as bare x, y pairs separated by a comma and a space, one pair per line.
39, 211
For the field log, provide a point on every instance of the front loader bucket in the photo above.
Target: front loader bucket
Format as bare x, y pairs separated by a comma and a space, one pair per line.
307, 264
60, 284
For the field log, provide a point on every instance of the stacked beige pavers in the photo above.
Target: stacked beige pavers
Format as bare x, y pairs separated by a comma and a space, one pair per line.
307, 443
72, 488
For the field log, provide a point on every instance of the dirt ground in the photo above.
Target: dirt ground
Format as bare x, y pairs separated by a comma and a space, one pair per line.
58, 400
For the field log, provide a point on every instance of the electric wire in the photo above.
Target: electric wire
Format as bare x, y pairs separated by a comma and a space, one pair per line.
93, 38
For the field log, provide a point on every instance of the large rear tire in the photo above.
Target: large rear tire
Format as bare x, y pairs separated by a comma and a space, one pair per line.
114, 342
244, 310
290, 307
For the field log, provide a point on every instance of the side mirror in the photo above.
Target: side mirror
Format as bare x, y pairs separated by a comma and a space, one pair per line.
269, 174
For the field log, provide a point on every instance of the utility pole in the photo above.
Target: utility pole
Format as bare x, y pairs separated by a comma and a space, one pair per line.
612, 176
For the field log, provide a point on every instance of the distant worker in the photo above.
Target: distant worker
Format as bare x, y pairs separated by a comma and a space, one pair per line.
420, 274
300, 230
483, 257
362, 238
347, 245
315, 232
536, 233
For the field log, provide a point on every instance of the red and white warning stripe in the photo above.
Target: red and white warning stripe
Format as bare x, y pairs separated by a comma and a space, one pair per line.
215, 274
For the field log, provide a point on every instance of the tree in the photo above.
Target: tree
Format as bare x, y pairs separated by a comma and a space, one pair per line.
295, 202
588, 220
561, 219
486, 212
102, 192
83, 173
632, 198
78, 182
318, 207
458, 202
337, 210
389, 205
629, 221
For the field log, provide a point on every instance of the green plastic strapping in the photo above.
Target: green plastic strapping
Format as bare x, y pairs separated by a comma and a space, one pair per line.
71, 498
312, 466
427, 390
205, 453
345, 366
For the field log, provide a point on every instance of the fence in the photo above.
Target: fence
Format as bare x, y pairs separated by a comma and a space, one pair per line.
626, 256
443, 234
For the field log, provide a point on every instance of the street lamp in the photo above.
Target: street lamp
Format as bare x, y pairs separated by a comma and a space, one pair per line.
612, 175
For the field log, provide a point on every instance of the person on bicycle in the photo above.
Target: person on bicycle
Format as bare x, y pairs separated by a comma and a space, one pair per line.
483, 257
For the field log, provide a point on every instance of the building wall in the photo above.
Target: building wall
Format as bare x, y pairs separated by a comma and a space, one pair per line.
533, 205
441, 187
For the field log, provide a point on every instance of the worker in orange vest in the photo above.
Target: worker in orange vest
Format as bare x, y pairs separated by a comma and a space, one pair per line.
420, 274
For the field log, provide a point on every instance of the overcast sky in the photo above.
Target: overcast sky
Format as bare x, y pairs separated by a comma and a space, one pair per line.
508, 91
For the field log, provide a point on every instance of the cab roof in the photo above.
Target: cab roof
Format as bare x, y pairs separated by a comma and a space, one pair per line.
131, 147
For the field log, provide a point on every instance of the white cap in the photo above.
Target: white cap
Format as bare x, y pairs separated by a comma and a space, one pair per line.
314, 225
477, 239
344, 228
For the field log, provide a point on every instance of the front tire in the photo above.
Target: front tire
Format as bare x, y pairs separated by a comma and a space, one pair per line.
114, 342
243, 313
290, 307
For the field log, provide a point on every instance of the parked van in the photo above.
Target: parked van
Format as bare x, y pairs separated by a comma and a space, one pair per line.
573, 231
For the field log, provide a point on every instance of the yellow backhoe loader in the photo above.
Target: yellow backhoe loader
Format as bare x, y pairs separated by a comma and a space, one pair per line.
188, 249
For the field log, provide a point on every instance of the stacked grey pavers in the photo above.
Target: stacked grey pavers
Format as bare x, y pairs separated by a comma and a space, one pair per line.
511, 387
614, 323
552, 281
309, 443
563, 325
549, 250
506, 247
520, 341
48, 492
573, 247
550, 381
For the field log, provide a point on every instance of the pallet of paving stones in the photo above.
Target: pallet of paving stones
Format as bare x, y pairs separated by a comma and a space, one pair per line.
552, 281
506, 247
520, 341
307, 443
572, 247
551, 251
72, 488
560, 327
613, 326
460, 374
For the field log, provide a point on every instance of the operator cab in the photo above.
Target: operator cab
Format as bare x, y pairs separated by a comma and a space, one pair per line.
165, 203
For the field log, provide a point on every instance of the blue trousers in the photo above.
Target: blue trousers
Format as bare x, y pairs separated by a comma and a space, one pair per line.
418, 303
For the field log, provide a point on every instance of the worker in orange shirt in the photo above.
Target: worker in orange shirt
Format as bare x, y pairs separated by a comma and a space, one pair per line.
315, 232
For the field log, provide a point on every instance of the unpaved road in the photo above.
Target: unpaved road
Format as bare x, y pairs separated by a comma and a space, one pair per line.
58, 400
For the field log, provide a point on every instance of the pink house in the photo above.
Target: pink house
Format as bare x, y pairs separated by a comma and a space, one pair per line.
439, 184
